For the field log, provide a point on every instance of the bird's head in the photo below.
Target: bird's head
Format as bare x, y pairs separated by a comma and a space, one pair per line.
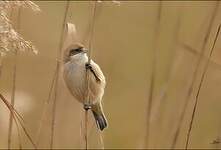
74, 51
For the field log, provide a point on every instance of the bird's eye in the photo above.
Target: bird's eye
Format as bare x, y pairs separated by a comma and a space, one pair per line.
75, 51
78, 50
72, 52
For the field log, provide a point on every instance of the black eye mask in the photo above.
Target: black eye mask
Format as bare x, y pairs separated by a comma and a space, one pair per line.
75, 51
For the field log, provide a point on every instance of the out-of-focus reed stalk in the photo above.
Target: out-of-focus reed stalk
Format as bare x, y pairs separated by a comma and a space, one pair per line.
172, 71
199, 88
92, 28
18, 121
10, 40
58, 66
13, 83
45, 107
153, 75
12, 113
195, 52
157, 108
190, 88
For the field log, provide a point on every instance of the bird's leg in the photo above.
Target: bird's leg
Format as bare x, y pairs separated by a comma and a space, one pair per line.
88, 66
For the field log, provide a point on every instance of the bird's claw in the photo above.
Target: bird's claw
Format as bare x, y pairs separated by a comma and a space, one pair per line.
88, 66
87, 106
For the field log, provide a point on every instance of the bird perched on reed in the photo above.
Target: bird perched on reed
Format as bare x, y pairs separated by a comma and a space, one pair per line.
74, 73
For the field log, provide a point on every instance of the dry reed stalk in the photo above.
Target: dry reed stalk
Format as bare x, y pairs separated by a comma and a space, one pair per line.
58, 65
85, 129
85, 36
0, 66
172, 71
12, 112
196, 52
190, 88
13, 84
18, 120
101, 139
157, 108
10, 40
199, 88
88, 102
46, 103
90, 129
153, 74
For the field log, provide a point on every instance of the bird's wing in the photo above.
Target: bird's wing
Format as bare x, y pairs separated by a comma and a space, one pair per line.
97, 73
96, 87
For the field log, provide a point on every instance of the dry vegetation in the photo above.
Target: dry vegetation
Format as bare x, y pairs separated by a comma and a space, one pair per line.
163, 126
11, 40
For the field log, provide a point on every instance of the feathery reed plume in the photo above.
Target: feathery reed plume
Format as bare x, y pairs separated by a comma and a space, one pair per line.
58, 65
153, 74
199, 88
190, 88
9, 38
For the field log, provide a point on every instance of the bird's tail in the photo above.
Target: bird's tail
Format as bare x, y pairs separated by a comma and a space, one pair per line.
99, 116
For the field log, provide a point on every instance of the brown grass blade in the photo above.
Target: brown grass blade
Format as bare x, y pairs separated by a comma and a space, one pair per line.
190, 88
12, 111
87, 74
161, 99
46, 103
85, 129
19, 136
199, 88
13, 84
59, 54
17, 120
196, 52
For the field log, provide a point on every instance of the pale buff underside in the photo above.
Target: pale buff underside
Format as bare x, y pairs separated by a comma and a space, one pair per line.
75, 76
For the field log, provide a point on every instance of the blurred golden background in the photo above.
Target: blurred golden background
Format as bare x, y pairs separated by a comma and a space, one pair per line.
124, 45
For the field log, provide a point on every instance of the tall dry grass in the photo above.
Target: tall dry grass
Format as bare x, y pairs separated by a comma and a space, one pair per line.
56, 84
12, 41
161, 99
13, 83
199, 88
151, 110
190, 88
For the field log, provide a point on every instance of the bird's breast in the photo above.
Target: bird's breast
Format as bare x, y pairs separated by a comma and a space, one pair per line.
74, 75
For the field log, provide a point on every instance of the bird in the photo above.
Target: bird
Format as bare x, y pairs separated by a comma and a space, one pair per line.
76, 65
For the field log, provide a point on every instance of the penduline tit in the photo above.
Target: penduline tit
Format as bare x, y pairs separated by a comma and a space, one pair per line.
75, 68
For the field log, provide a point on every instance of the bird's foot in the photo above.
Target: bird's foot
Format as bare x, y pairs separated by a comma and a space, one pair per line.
87, 107
88, 66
